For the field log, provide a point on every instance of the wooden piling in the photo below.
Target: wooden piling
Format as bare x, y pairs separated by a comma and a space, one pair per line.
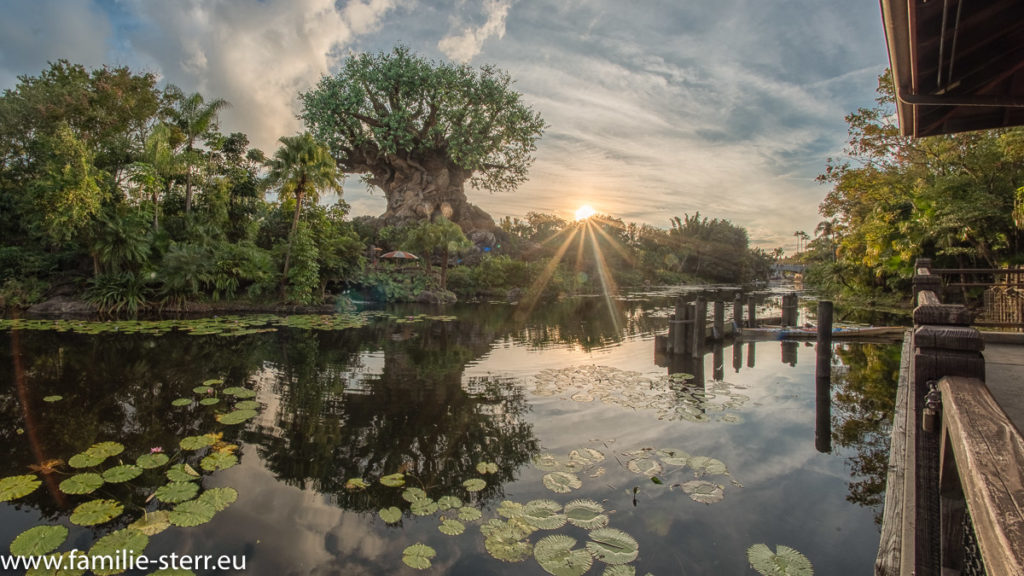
737, 311
751, 312
790, 304
823, 380
700, 319
718, 327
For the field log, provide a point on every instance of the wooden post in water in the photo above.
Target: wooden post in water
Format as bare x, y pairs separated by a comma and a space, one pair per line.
737, 355
737, 314
823, 380
717, 361
700, 320
719, 325
751, 311
789, 309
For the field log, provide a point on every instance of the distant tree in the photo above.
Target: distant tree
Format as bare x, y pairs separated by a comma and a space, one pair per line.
441, 235
419, 130
195, 118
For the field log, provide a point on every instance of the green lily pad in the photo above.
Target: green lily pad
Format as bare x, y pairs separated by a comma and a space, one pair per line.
487, 468
391, 515
449, 502
393, 480
619, 570
235, 391
152, 523
122, 473
562, 482
413, 494
423, 507
247, 405
220, 498
96, 512
674, 457
175, 492
57, 559
116, 543
702, 465
645, 466
213, 382
509, 509
210, 401
544, 514
83, 460
192, 513
507, 548
14, 487
356, 484
182, 473
105, 449
83, 483
469, 514
218, 461
703, 491
236, 417
39, 540
197, 442
785, 561
418, 556
586, 456
613, 546
53, 398
150, 461
180, 402
556, 556
474, 484
203, 390
451, 527
546, 462
586, 514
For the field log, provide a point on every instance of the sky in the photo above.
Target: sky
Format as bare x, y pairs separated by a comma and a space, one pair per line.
655, 108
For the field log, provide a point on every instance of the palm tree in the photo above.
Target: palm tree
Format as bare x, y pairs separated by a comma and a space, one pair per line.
195, 117
301, 167
157, 167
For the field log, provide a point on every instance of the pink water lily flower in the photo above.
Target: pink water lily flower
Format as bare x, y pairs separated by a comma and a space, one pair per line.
156, 450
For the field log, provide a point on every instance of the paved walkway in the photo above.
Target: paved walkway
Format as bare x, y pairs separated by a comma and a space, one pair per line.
1004, 374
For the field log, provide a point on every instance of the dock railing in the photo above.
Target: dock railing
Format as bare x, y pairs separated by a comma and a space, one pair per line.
955, 492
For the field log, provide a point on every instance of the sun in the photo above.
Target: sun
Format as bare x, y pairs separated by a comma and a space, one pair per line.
584, 212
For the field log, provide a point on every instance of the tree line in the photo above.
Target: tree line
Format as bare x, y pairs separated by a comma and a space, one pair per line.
128, 195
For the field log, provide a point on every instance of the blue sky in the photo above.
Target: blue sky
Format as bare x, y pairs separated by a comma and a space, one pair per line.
655, 108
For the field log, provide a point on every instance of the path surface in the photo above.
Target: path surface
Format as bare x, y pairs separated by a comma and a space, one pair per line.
1004, 374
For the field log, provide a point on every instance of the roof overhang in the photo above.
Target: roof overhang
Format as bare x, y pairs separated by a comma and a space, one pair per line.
956, 65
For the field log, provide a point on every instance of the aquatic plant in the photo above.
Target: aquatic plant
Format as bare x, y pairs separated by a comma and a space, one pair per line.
785, 561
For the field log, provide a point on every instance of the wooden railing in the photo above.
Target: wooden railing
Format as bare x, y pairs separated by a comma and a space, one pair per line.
946, 469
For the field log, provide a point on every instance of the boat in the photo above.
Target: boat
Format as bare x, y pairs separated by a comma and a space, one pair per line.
811, 333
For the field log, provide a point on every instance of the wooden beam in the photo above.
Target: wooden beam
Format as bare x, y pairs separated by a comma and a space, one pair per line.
897, 525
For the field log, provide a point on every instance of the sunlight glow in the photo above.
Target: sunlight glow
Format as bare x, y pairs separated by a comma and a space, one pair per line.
584, 212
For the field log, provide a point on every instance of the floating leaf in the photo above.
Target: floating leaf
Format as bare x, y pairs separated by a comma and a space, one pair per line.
393, 480
418, 556
587, 456
105, 449
703, 491
507, 548
39, 540
247, 405
546, 462
413, 494
390, 515
117, 543
674, 457
423, 507
150, 461
152, 523
14, 487
81, 483
236, 417
544, 514
83, 460
510, 509
619, 570
122, 473
179, 402
220, 498
556, 556
469, 514
474, 484
213, 382
487, 468
203, 390
209, 401
702, 465
785, 561
96, 512
613, 546
562, 482
175, 492
54, 398
645, 466
192, 513
586, 514
197, 442
451, 527
218, 461
356, 484
182, 473
449, 502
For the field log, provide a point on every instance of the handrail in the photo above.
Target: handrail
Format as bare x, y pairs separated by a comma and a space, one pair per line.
983, 466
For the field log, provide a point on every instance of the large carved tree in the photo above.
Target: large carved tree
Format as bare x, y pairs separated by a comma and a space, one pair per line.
420, 130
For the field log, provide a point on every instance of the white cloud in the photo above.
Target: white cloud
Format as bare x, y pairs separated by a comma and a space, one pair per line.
464, 45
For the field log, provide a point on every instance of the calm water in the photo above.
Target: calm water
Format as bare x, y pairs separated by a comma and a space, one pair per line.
434, 398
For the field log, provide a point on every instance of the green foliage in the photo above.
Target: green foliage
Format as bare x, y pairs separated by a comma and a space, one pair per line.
304, 271
120, 292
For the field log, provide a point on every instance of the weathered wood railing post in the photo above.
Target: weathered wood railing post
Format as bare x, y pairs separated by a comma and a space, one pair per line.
751, 311
823, 380
790, 306
718, 327
700, 322
737, 312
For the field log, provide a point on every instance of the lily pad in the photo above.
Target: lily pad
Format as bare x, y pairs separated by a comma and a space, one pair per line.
449, 503
507, 548
469, 514
613, 546
192, 513
203, 390
546, 462
197, 442
356, 484
391, 515
393, 480
150, 461
556, 556
181, 473
487, 468
645, 466
785, 561
247, 405
96, 512
586, 514
423, 507
180, 402
474, 484
152, 523
220, 498
418, 556
586, 456
619, 570
451, 527
57, 559
39, 540
175, 492
84, 460
218, 461
53, 398
702, 466
674, 457
116, 543
236, 417
122, 473
562, 482
544, 514
210, 401
703, 491
413, 494
81, 483
105, 449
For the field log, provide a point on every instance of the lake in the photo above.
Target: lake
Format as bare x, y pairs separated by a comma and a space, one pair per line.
475, 439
